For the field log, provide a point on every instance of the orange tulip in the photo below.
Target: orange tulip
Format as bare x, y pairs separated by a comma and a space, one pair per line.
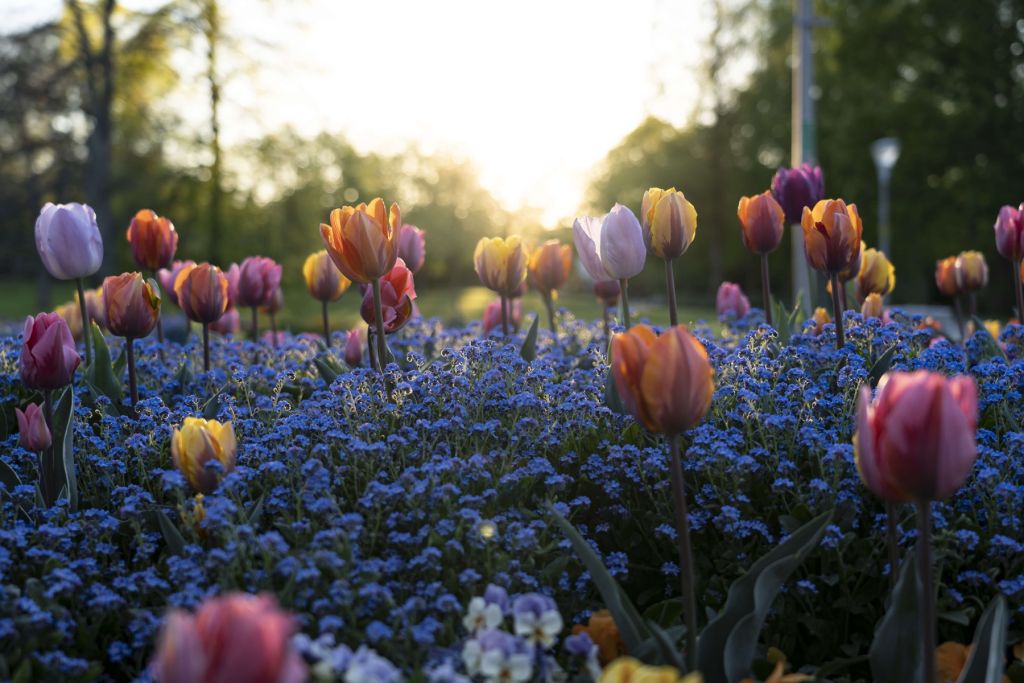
832, 234
153, 240
202, 292
762, 221
550, 265
664, 381
362, 240
132, 305
945, 276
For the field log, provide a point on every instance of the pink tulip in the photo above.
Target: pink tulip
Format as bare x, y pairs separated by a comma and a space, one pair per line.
234, 638
730, 301
354, 348
916, 440
412, 247
492, 315
1009, 228
254, 282
33, 434
396, 295
48, 354
229, 323
167, 276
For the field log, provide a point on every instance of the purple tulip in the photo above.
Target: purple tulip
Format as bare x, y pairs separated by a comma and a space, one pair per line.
795, 188
412, 247
730, 301
48, 354
68, 240
254, 282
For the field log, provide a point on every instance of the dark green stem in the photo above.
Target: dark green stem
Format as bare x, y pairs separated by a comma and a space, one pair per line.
837, 312
924, 555
972, 300
550, 306
959, 309
625, 302
86, 324
46, 457
327, 325
1019, 290
766, 289
607, 322
255, 324
159, 327
670, 287
273, 329
378, 315
504, 316
206, 347
685, 548
133, 386
892, 542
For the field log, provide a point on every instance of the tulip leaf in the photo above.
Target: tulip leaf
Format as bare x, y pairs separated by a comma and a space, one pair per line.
62, 468
725, 651
100, 372
895, 653
175, 541
529, 349
184, 377
986, 661
991, 345
212, 407
882, 365
327, 369
8, 477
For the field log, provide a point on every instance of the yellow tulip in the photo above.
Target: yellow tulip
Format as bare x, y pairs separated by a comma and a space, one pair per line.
971, 270
877, 274
199, 442
501, 263
669, 222
629, 670
872, 306
323, 279
832, 233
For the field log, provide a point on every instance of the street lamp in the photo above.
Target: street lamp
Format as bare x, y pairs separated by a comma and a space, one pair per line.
885, 152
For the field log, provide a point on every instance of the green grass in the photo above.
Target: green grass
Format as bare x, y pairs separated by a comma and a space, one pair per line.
454, 305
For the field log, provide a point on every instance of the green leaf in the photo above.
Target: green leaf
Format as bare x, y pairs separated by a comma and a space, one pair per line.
8, 477
992, 347
62, 469
895, 653
665, 613
986, 662
326, 368
529, 349
882, 365
175, 541
184, 377
100, 373
257, 510
725, 651
212, 407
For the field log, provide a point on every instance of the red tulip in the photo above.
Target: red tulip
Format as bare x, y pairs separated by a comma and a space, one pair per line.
153, 240
916, 440
761, 218
254, 281
33, 434
232, 638
396, 295
132, 305
48, 354
730, 301
202, 293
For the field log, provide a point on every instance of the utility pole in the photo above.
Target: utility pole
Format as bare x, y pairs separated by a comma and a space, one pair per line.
802, 149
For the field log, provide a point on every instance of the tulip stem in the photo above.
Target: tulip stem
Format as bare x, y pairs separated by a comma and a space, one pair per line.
206, 347
273, 329
378, 318
972, 301
924, 555
843, 303
550, 306
327, 325
504, 315
133, 387
837, 312
371, 347
766, 289
685, 548
1019, 290
46, 455
625, 302
607, 322
255, 324
86, 326
959, 310
670, 287
892, 542
159, 326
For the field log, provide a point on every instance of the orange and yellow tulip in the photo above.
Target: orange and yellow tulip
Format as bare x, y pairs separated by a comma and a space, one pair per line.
202, 292
501, 263
362, 240
199, 442
153, 240
323, 279
132, 305
877, 274
669, 222
762, 220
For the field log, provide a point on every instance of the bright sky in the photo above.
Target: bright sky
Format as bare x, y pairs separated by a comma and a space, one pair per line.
533, 92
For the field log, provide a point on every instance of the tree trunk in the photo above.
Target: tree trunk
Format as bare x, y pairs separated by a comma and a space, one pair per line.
213, 37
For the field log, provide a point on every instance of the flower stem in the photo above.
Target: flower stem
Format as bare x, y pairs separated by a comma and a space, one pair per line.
670, 287
1019, 289
159, 326
550, 306
206, 347
133, 387
327, 325
972, 301
255, 324
766, 289
837, 312
607, 322
625, 302
86, 324
273, 329
504, 315
924, 555
46, 455
959, 309
892, 542
378, 317
685, 548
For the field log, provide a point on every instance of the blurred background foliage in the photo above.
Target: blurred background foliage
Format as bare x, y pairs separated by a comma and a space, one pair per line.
84, 115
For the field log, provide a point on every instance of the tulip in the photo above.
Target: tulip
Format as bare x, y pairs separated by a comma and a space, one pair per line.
761, 218
916, 442
48, 354
235, 637
629, 670
396, 294
549, 267
325, 284
945, 280
72, 315
153, 241
271, 308
197, 445
820, 318
229, 323
493, 314
71, 248
669, 226
798, 188
604, 633
971, 275
412, 247
362, 240
168, 276
33, 432
832, 232
872, 306
253, 284
94, 304
133, 306
202, 293
731, 302
666, 383
1009, 229
877, 274
501, 265
611, 248
354, 348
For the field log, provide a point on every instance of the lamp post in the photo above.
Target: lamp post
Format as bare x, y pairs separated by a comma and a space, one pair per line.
885, 152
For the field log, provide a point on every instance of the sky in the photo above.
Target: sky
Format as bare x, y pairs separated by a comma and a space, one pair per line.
533, 92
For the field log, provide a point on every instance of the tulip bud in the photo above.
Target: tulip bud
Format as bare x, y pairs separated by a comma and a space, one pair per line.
202, 293
731, 302
761, 219
550, 265
68, 240
197, 445
132, 305
971, 271
323, 279
669, 222
611, 248
916, 440
48, 354
877, 275
607, 292
500, 263
412, 247
168, 276
396, 296
872, 306
354, 348
153, 240
1009, 229
664, 381
234, 637
832, 235
362, 240
797, 188
229, 323
945, 276
254, 282
33, 434
820, 318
